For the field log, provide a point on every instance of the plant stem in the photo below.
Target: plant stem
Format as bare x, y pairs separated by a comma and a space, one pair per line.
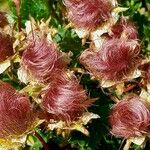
19, 23
45, 145
18, 5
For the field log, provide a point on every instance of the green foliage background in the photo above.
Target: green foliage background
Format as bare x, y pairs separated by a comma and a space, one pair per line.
100, 138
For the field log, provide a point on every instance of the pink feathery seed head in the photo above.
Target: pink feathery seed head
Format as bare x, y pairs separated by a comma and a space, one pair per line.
65, 98
115, 60
3, 19
88, 14
6, 46
145, 69
16, 113
41, 59
130, 117
125, 28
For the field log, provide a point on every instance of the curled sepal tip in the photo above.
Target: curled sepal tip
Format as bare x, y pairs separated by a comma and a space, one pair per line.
78, 125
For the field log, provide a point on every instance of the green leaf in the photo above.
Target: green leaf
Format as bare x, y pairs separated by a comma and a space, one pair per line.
38, 9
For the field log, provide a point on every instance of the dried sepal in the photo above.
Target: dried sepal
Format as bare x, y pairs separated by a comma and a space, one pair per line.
120, 9
114, 28
107, 83
130, 117
138, 140
34, 90
23, 76
119, 89
14, 144
19, 44
78, 125
4, 65
145, 95
41, 27
148, 88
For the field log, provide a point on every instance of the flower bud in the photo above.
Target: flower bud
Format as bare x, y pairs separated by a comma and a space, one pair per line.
16, 114
130, 117
88, 14
65, 98
115, 60
6, 46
